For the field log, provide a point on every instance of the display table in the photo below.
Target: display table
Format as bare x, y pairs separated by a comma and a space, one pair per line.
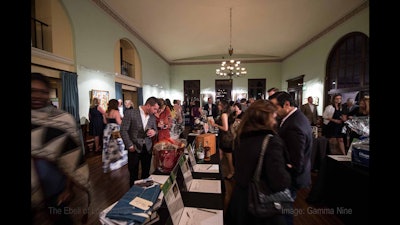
213, 201
344, 188
320, 149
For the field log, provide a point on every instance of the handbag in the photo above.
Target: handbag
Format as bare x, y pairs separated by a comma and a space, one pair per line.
262, 202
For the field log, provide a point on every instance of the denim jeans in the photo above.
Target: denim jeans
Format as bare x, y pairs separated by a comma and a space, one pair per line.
125, 211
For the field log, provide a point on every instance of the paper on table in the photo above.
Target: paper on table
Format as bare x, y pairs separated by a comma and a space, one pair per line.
160, 179
141, 203
195, 216
342, 158
182, 215
201, 168
205, 186
198, 185
206, 168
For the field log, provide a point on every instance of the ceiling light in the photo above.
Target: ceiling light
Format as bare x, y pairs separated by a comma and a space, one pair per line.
231, 68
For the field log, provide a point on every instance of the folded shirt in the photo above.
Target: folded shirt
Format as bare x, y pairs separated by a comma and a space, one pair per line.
127, 212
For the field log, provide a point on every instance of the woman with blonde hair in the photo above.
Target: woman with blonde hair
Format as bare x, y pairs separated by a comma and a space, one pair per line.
128, 104
96, 122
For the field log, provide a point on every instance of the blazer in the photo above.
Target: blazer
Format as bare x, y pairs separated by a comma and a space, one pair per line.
297, 135
312, 116
133, 132
214, 109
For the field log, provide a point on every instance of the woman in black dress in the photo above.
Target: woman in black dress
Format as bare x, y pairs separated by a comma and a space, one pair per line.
333, 121
225, 137
96, 123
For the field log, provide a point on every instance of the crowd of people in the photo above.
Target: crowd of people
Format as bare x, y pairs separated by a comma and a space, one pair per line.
242, 126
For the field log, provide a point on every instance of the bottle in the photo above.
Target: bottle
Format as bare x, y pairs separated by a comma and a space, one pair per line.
200, 152
207, 152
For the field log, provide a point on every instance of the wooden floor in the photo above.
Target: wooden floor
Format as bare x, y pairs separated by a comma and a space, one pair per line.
110, 187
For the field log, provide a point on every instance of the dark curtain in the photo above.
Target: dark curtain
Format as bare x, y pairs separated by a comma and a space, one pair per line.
140, 96
118, 91
70, 98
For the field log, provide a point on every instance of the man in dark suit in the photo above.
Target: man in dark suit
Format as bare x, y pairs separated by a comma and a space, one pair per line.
137, 129
294, 128
310, 111
211, 108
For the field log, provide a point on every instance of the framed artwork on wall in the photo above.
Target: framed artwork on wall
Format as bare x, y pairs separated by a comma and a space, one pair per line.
104, 96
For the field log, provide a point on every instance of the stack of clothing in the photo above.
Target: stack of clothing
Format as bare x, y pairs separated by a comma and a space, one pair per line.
124, 210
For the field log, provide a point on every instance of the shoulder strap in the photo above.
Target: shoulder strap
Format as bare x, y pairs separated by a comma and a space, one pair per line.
257, 173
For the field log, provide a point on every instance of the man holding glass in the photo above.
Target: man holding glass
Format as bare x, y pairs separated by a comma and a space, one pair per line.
137, 129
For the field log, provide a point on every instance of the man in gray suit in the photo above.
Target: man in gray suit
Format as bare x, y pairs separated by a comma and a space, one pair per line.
137, 129
310, 111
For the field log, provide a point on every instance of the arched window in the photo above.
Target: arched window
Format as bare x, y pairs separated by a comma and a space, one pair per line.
347, 68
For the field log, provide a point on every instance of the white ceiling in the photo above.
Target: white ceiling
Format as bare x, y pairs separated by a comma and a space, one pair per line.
184, 31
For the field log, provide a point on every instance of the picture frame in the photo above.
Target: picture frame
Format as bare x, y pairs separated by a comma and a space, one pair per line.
102, 95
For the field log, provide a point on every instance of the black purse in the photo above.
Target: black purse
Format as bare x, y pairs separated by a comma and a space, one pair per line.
262, 202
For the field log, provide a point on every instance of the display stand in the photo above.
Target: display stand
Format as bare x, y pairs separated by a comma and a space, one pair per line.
195, 185
205, 167
207, 194
181, 214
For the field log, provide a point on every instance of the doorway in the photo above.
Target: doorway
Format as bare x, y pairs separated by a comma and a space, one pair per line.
295, 89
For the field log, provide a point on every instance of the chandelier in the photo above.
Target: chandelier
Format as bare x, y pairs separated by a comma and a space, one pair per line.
231, 68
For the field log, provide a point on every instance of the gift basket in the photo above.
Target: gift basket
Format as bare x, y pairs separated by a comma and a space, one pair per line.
359, 148
167, 153
359, 125
201, 124
176, 129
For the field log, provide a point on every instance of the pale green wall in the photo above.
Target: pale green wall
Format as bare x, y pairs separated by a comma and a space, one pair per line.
311, 61
95, 37
96, 34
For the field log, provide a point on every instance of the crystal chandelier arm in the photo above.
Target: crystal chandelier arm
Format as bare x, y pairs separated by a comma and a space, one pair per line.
230, 68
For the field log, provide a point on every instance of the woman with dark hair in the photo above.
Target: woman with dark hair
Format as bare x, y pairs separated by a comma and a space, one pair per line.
333, 125
113, 146
237, 114
169, 104
164, 121
195, 111
256, 123
225, 138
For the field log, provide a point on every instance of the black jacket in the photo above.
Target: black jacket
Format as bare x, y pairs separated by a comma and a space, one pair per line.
247, 152
214, 109
296, 132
